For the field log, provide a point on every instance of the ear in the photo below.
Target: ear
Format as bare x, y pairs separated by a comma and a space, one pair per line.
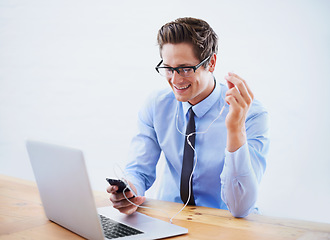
212, 63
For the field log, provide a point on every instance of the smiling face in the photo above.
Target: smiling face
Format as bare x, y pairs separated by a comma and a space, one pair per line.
192, 89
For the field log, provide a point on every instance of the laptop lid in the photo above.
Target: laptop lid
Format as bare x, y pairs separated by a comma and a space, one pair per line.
67, 198
64, 188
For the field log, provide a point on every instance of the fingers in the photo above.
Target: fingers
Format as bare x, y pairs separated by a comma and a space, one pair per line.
119, 201
241, 85
129, 209
230, 84
115, 197
232, 101
112, 189
239, 90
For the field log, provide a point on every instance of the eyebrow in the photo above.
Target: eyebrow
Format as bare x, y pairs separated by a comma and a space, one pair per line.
181, 65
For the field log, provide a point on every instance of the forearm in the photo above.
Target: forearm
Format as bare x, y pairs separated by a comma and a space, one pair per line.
236, 139
141, 170
239, 184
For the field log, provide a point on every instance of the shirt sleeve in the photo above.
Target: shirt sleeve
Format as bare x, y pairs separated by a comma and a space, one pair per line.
243, 169
144, 152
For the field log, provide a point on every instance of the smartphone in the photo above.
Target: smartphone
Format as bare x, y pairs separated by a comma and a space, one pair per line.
121, 185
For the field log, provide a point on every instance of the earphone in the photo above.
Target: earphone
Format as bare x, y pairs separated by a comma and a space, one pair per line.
195, 157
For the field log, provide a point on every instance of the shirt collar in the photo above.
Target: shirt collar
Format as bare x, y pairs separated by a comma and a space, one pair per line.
204, 106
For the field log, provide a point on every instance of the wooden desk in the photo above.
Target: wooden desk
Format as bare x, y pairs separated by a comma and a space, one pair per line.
22, 217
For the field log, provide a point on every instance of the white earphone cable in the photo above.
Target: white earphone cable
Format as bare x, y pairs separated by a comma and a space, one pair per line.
195, 154
190, 178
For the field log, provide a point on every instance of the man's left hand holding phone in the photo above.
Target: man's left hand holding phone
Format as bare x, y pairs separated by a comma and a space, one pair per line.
118, 199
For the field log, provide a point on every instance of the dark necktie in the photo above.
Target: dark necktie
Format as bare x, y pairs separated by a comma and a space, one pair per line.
188, 162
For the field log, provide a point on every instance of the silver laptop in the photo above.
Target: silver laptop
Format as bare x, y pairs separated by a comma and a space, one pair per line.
68, 200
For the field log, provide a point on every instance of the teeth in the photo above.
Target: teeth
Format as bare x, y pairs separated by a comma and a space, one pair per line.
180, 88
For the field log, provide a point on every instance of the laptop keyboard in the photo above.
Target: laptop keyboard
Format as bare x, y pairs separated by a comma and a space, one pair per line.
113, 229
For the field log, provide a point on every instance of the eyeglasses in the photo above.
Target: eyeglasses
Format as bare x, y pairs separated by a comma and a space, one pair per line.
182, 71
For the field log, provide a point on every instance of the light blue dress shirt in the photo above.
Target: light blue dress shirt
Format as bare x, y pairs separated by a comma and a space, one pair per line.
221, 179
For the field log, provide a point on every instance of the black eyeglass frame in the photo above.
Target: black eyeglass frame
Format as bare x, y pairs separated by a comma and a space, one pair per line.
177, 69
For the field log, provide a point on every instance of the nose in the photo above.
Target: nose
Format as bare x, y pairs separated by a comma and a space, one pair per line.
176, 78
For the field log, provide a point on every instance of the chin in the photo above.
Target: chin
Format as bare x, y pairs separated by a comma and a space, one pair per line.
181, 98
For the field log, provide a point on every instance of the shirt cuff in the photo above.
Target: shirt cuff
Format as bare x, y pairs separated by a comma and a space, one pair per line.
238, 163
135, 181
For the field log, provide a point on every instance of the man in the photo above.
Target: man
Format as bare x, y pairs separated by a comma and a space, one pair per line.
228, 148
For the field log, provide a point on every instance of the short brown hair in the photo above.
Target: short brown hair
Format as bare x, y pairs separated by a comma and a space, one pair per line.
190, 30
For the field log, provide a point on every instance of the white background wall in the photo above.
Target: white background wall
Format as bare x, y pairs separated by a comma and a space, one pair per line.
76, 73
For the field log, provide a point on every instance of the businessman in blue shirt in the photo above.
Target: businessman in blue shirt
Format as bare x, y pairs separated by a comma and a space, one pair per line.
230, 136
